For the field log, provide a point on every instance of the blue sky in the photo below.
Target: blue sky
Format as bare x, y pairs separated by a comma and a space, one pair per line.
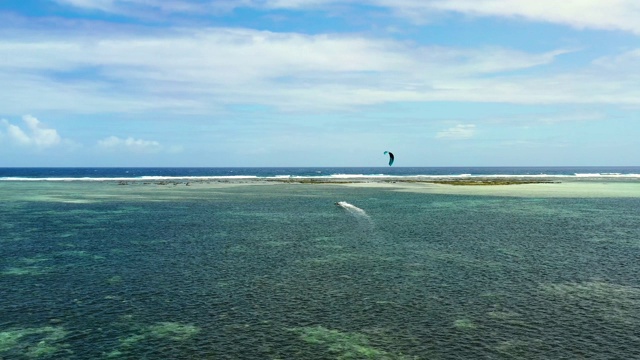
319, 82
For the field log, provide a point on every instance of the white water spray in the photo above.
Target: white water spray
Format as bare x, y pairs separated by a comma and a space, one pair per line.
352, 209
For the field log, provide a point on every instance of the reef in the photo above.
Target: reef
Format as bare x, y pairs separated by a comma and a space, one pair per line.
468, 182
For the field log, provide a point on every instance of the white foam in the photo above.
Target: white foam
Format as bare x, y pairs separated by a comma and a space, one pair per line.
351, 208
606, 175
361, 177
141, 178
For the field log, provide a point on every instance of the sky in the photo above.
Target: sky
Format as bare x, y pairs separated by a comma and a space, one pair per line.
201, 83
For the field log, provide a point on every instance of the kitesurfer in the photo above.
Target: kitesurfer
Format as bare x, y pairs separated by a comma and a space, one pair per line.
391, 157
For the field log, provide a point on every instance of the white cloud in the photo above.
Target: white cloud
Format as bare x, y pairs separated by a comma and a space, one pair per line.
458, 132
629, 60
35, 133
129, 144
596, 14
200, 70
146, 8
102, 5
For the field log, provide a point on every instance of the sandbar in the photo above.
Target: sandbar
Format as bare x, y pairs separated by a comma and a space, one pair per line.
503, 186
551, 188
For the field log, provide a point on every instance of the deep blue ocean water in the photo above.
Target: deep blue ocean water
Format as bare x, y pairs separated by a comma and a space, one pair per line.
97, 270
101, 173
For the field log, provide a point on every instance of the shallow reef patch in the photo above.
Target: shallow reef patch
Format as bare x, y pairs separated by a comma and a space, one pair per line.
344, 345
159, 331
608, 301
32, 342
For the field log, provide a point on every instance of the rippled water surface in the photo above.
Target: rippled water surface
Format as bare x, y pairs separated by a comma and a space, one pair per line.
99, 270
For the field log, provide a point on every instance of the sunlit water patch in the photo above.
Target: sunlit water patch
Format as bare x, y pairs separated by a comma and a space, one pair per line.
281, 272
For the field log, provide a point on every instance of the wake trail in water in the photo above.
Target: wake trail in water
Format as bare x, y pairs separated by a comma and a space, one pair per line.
364, 230
354, 210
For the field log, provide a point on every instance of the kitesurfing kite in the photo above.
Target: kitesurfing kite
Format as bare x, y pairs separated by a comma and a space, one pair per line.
391, 157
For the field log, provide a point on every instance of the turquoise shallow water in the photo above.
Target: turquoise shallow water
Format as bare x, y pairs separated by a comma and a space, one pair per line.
98, 270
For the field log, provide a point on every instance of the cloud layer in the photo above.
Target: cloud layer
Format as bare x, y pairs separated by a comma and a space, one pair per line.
200, 70
244, 80
620, 15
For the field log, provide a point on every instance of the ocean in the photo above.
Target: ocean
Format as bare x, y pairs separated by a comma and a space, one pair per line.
100, 269
251, 172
